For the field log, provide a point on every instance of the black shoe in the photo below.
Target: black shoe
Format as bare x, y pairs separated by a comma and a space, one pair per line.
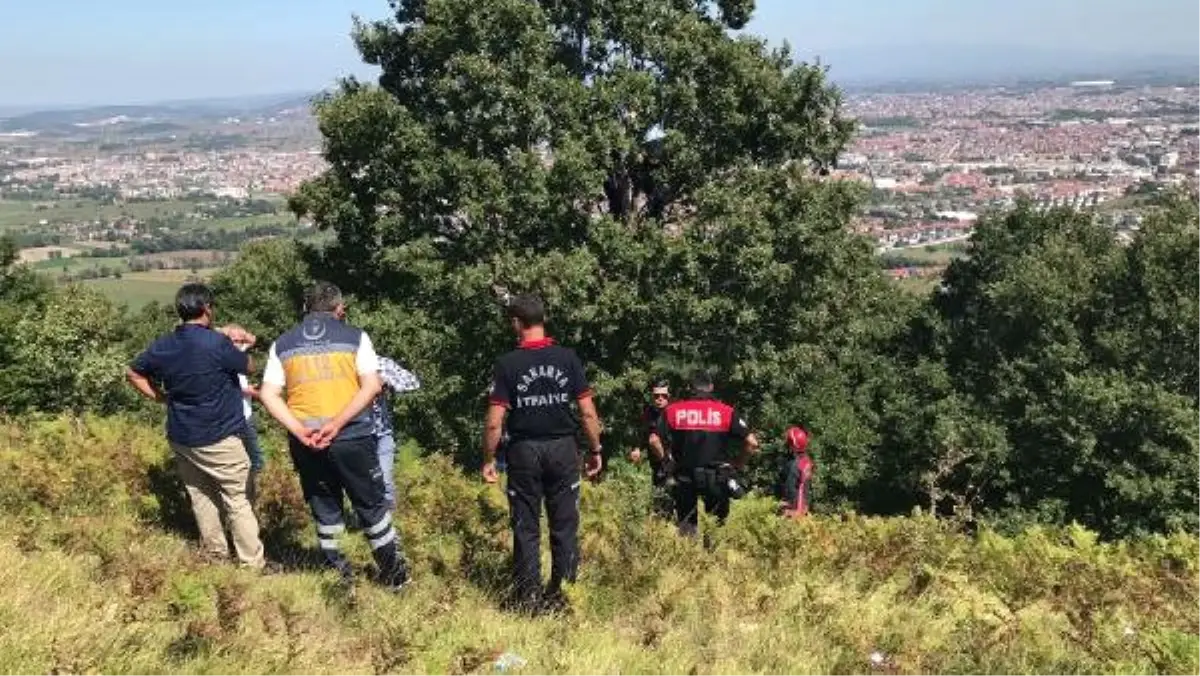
527, 603
554, 602
346, 587
346, 577
206, 557
398, 579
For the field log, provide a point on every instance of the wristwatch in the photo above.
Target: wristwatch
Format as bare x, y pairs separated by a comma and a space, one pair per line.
597, 451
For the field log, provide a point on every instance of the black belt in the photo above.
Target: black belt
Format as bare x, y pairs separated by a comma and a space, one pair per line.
517, 440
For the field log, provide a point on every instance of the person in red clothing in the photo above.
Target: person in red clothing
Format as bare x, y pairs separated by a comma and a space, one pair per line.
796, 474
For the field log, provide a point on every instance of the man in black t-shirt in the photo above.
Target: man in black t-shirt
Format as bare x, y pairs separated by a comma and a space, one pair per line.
660, 393
660, 466
696, 433
537, 386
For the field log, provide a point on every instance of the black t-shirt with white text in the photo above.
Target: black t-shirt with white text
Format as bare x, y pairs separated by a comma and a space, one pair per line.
539, 384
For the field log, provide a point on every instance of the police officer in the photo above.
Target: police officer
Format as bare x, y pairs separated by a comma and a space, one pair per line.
695, 432
331, 374
537, 386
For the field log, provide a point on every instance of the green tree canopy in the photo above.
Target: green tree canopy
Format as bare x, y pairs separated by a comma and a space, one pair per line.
1077, 358
264, 290
659, 181
647, 171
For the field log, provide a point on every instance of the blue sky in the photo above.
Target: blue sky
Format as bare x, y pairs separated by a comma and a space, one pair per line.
118, 51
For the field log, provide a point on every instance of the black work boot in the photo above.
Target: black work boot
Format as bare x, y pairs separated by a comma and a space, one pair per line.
398, 578
345, 575
523, 602
346, 587
554, 601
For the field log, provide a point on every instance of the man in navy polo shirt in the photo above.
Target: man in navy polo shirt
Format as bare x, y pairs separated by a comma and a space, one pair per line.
537, 386
195, 370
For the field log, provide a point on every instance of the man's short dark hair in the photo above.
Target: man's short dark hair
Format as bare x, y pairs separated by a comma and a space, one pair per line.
528, 309
660, 383
702, 380
191, 300
322, 297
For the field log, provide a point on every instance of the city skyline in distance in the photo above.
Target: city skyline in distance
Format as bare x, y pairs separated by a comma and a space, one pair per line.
899, 76
231, 50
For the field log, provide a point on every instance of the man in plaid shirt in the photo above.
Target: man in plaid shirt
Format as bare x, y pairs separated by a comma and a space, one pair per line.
395, 379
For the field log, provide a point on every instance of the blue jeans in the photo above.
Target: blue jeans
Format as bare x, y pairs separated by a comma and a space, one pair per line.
249, 437
385, 448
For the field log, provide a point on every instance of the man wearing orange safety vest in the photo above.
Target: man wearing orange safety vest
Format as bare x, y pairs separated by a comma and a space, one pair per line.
331, 373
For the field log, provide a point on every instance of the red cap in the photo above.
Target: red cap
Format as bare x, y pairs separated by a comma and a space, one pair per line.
797, 439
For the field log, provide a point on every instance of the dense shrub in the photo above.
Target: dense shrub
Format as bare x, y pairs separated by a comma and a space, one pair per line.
769, 595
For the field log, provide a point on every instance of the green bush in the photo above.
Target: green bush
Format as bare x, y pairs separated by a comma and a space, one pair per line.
119, 591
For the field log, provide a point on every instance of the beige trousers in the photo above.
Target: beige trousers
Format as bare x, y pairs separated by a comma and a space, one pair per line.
216, 478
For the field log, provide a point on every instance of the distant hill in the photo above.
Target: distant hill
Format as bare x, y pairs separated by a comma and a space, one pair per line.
925, 66
160, 117
912, 67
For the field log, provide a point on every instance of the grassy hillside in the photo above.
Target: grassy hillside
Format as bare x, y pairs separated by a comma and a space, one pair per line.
136, 289
99, 576
29, 213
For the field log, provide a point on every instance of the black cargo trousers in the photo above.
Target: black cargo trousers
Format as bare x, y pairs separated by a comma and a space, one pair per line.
701, 483
548, 470
350, 468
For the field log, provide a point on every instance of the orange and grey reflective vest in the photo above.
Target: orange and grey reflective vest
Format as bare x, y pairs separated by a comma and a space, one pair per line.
320, 368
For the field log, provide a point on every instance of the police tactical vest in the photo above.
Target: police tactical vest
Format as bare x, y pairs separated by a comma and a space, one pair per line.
699, 430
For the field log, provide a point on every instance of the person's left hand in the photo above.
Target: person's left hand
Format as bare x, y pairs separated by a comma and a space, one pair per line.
323, 437
595, 463
238, 335
490, 475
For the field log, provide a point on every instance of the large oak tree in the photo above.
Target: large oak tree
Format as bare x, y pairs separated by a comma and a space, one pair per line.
657, 177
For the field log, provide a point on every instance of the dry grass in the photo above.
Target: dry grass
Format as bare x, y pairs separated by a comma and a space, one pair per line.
99, 576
